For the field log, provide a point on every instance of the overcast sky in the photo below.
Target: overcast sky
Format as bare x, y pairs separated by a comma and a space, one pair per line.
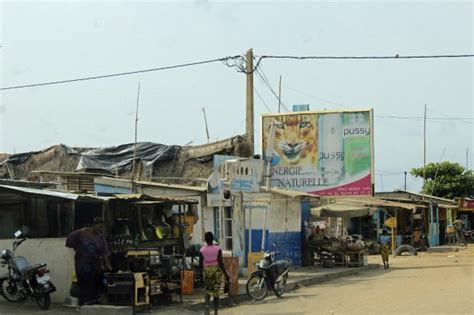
48, 41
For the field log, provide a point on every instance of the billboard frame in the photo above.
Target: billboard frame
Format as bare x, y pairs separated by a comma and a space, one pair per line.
370, 111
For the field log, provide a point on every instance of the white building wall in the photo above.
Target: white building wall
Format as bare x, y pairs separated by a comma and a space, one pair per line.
52, 251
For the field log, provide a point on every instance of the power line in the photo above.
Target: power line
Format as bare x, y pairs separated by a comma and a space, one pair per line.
225, 59
265, 80
397, 56
432, 118
261, 98
312, 96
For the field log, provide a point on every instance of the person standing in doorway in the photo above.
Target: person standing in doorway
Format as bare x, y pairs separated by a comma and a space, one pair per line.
459, 226
212, 267
91, 250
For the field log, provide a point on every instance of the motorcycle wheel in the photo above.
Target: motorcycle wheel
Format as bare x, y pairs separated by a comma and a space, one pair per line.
43, 300
280, 287
9, 292
257, 287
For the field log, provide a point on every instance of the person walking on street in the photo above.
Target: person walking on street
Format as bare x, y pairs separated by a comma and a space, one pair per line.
384, 241
90, 249
212, 267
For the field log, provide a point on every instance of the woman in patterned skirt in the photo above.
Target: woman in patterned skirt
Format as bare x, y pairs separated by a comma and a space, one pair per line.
212, 267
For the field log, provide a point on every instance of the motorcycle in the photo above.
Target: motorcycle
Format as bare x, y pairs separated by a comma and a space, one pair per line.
22, 280
271, 275
468, 235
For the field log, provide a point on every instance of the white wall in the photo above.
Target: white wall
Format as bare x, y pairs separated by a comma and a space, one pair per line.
52, 251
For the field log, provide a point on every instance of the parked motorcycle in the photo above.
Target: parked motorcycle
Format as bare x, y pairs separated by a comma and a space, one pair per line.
468, 235
22, 280
271, 275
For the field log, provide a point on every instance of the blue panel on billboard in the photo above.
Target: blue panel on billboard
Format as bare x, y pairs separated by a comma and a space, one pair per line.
301, 107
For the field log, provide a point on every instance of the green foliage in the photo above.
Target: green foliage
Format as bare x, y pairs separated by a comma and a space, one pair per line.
446, 180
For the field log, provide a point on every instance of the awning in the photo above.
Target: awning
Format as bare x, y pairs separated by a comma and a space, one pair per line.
356, 206
341, 210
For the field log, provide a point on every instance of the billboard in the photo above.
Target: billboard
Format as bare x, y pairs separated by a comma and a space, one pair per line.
326, 153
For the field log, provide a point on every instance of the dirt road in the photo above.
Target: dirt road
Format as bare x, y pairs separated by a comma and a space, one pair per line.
430, 283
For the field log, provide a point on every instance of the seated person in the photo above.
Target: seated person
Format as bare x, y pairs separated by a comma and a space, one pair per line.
416, 238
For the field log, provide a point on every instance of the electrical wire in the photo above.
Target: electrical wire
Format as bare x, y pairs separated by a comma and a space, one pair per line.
312, 96
265, 80
261, 98
428, 118
225, 59
397, 56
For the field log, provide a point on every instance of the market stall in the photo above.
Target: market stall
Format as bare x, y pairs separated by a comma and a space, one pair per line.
148, 238
329, 244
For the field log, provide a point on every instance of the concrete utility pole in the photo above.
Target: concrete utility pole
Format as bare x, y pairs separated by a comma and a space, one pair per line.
249, 121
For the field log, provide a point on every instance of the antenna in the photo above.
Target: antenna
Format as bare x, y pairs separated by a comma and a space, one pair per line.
205, 121
424, 149
135, 145
467, 159
279, 96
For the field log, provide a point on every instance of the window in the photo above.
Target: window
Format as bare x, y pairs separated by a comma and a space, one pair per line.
227, 227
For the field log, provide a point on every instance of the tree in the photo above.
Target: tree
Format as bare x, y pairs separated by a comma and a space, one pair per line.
446, 180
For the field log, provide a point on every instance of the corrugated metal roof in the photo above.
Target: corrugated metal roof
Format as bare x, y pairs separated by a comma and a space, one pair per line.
119, 182
174, 186
54, 194
428, 197
292, 193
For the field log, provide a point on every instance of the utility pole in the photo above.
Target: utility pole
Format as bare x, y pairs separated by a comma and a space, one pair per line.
205, 121
279, 96
249, 121
424, 148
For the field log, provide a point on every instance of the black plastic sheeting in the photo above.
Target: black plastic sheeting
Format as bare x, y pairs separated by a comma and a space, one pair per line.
17, 159
20, 158
119, 158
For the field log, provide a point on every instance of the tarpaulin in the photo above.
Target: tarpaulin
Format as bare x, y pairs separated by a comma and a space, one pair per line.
20, 158
119, 158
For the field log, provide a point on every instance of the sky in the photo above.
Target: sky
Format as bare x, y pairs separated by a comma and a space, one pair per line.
49, 41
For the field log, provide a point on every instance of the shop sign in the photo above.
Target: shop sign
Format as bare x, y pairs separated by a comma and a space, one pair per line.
391, 223
466, 204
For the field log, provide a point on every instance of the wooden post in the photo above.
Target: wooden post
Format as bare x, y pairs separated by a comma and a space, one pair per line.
250, 230
203, 222
394, 234
249, 122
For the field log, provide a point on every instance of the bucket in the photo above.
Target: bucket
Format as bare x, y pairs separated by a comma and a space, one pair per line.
187, 282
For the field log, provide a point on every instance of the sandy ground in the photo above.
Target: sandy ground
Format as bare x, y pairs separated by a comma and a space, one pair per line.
430, 283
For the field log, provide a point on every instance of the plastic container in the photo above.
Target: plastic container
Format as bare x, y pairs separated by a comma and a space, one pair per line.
187, 282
